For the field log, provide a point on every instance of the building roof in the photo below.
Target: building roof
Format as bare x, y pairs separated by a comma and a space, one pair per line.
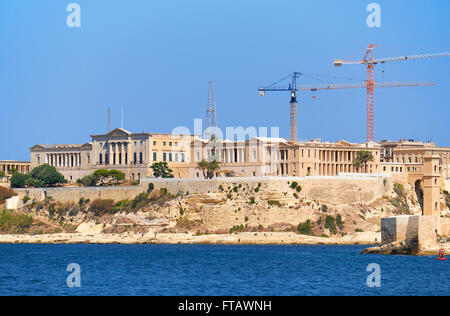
62, 146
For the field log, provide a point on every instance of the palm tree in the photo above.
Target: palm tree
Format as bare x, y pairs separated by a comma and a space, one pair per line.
203, 166
213, 166
361, 159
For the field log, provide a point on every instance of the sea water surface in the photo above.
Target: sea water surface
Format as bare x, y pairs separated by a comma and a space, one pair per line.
29, 269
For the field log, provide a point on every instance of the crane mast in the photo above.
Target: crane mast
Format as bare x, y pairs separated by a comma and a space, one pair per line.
293, 89
370, 62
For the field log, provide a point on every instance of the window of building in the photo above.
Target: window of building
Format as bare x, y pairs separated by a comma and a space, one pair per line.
176, 144
170, 156
182, 157
154, 143
141, 160
170, 143
164, 156
384, 168
88, 158
164, 143
142, 143
126, 158
100, 161
176, 157
107, 159
155, 156
135, 158
135, 144
38, 159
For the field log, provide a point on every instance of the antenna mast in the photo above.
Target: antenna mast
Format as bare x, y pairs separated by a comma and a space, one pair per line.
108, 126
211, 131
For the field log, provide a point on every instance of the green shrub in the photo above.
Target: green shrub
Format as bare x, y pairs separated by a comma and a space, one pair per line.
139, 201
324, 208
294, 185
120, 206
101, 207
14, 222
330, 223
82, 201
305, 228
89, 180
25, 199
150, 187
235, 189
359, 230
298, 188
339, 221
20, 180
274, 203
252, 200
239, 228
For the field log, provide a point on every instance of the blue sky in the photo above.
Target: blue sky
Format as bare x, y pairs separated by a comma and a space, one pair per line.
156, 57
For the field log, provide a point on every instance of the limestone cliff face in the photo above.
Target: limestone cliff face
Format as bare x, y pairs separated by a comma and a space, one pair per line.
331, 207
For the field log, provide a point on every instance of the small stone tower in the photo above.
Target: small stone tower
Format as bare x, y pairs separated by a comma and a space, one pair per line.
431, 185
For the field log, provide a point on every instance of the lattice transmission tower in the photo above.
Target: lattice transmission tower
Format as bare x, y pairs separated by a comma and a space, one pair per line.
211, 130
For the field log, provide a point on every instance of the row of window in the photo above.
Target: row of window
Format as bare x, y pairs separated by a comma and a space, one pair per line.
170, 157
141, 143
117, 158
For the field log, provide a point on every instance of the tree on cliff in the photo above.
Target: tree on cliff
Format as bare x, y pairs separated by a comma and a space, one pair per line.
102, 177
109, 177
48, 175
362, 158
161, 170
44, 175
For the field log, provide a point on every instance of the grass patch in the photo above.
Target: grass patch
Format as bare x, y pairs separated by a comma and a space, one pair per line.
14, 222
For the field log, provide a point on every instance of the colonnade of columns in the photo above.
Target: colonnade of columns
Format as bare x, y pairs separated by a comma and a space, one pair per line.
64, 160
8, 167
117, 153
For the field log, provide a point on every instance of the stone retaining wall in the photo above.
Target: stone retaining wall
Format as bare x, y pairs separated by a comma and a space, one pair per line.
332, 190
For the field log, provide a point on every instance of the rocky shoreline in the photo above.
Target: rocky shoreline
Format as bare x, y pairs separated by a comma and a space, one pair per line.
261, 238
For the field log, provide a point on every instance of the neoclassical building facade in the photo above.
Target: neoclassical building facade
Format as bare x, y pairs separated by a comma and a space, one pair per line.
134, 153
131, 153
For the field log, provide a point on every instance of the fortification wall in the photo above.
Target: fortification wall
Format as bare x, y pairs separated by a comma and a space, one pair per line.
419, 231
332, 190
73, 194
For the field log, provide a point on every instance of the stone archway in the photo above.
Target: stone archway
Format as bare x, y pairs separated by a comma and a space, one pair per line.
419, 192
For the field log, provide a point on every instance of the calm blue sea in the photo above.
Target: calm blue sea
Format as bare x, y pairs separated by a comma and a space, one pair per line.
214, 270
